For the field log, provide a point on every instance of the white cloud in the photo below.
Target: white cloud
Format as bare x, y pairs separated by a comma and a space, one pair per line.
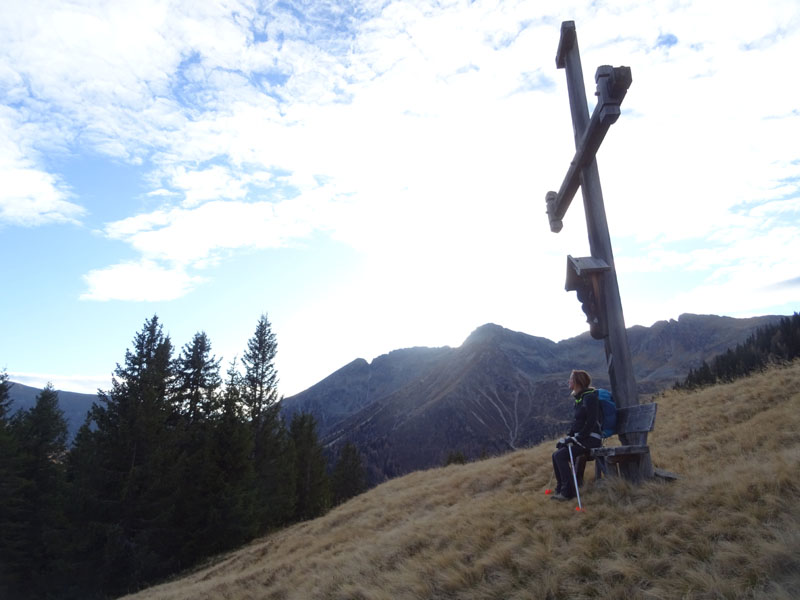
186, 236
29, 195
208, 184
143, 281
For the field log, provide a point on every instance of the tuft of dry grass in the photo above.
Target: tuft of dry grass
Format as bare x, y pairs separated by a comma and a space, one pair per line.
727, 529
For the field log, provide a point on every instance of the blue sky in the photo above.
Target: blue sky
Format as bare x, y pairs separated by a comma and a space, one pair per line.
372, 174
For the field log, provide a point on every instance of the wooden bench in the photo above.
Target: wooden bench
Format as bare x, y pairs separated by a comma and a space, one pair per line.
633, 425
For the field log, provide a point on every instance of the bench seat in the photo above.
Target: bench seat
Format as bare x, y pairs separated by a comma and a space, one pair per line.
619, 451
639, 419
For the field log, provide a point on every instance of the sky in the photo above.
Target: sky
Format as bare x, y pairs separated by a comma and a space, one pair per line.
372, 175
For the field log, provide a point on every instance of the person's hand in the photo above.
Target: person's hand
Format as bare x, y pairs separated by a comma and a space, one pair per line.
561, 443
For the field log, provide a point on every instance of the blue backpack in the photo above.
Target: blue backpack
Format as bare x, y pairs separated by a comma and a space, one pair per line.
609, 412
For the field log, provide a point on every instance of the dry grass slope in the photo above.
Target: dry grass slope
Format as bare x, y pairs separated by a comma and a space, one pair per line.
727, 529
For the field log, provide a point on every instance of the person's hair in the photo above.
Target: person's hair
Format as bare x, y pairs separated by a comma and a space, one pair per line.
581, 379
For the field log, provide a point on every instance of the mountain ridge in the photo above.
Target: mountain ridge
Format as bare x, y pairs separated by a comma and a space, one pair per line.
500, 381
499, 391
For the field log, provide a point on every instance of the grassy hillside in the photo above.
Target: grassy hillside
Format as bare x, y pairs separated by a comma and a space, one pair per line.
729, 528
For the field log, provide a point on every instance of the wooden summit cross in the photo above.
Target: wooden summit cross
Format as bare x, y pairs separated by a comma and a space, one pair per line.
594, 278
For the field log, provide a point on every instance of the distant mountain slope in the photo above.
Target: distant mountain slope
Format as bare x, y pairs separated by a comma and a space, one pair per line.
74, 405
490, 395
360, 383
499, 391
728, 528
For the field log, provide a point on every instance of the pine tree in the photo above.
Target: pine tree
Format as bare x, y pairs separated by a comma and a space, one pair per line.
349, 476
197, 379
273, 462
5, 398
233, 517
272, 452
260, 381
123, 470
12, 506
213, 508
41, 434
793, 327
312, 483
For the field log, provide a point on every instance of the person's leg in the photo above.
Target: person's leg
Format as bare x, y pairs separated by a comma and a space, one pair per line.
561, 462
559, 483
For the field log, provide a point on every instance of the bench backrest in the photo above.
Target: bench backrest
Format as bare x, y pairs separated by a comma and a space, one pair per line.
636, 419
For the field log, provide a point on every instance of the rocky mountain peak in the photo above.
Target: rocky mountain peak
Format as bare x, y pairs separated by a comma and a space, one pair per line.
487, 334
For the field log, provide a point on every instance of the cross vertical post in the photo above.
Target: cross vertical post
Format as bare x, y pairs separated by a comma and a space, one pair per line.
596, 277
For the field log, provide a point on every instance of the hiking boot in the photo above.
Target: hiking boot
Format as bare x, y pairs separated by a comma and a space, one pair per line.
558, 496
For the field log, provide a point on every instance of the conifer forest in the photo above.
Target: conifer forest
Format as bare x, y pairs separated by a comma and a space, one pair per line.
769, 344
173, 464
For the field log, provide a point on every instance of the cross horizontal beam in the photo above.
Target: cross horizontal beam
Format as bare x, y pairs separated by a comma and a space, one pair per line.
612, 85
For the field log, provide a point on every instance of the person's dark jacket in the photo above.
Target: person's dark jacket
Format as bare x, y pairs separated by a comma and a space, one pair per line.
586, 419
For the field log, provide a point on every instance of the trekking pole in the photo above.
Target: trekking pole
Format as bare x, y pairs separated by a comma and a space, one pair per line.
547, 490
574, 477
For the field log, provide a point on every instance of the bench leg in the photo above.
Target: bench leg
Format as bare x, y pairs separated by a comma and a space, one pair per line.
636, 468
600, 467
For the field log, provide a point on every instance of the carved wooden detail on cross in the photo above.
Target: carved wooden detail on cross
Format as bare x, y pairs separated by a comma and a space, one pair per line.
594, 278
